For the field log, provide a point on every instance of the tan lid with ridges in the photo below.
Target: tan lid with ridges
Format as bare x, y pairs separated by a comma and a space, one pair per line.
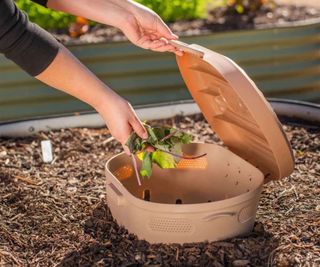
236, 110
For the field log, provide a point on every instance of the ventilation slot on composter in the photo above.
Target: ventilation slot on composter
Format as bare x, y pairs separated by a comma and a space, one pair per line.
170, 225
199, 163
146, 195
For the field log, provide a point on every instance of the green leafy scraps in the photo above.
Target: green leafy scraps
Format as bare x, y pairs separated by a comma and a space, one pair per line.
146, 168
163, 159
162, 147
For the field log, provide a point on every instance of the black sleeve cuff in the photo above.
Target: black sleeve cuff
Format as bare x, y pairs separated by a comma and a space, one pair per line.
41, 2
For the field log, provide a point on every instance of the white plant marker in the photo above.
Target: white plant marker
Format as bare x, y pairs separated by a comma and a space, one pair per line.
46, 149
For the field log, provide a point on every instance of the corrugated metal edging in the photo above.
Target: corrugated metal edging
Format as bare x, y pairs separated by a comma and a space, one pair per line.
284, 63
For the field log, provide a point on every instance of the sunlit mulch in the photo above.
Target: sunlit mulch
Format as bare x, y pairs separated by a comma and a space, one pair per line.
56, 214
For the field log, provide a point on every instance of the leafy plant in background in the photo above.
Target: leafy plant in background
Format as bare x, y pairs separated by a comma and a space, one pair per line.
240, 6
173, 10
45, 17
169, 10
162, 147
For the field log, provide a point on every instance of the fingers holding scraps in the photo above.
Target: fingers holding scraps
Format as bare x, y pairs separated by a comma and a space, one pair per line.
139, 128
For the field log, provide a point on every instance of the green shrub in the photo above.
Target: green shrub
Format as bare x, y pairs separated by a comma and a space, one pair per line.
44, 17
169, 10
172, 10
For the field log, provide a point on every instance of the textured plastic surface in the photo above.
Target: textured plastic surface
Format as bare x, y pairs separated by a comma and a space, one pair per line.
217, 197
188, 204
236, 110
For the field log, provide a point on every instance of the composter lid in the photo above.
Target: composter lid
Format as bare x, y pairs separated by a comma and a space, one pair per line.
236, 110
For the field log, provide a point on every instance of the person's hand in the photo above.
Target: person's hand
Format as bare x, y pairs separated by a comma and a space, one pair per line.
121, 120
66, 73
144, 28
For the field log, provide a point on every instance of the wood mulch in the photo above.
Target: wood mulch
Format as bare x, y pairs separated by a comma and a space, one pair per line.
56, 214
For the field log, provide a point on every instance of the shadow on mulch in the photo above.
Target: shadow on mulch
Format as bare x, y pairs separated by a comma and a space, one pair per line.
114, 246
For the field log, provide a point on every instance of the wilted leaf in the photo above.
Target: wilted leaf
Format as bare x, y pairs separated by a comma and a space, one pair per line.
146, 168
163, 160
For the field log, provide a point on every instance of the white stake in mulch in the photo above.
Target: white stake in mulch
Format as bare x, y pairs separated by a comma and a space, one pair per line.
46, 149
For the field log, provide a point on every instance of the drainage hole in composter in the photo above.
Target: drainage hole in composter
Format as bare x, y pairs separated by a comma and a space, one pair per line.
209, 200
267, 175
178, 201
146, 195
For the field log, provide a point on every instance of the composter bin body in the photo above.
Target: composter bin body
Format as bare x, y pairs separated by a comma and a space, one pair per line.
218, 202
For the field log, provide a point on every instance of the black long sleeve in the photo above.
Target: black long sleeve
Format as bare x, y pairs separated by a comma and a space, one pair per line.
25, 43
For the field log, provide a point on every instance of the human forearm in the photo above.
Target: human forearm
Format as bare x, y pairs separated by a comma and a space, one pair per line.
103, 11
141, 25
38, 53
67, 74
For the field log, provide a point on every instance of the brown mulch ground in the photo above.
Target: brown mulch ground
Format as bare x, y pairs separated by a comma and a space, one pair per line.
219, 19
56, 214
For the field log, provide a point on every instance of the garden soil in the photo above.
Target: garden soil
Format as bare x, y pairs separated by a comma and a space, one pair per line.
56, 214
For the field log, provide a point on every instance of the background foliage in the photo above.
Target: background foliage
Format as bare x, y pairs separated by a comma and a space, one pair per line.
172, 10
169, 10
240, 6
45, 17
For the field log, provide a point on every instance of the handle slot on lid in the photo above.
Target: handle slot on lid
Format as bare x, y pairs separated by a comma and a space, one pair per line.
115, 194
186, 48
214, 216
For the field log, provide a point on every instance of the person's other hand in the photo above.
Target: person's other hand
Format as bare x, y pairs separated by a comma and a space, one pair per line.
121, 120
144, 28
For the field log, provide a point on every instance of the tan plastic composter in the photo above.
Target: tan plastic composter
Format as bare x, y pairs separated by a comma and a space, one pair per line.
217, 197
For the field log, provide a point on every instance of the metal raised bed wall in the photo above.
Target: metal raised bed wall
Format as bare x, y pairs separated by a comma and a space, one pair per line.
284, 62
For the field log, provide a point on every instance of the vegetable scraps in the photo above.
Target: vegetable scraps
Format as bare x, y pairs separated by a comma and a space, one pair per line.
162, 147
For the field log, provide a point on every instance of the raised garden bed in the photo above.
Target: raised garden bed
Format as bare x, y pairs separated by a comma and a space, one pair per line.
280, 55
219, 20
55, 214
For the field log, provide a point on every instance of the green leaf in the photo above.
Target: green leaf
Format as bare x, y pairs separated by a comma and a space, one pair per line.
130, 142
162, 147
146, 168
176, 149
135, 143
163, 160
162, 139
186, 138
152, 136
159, 132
